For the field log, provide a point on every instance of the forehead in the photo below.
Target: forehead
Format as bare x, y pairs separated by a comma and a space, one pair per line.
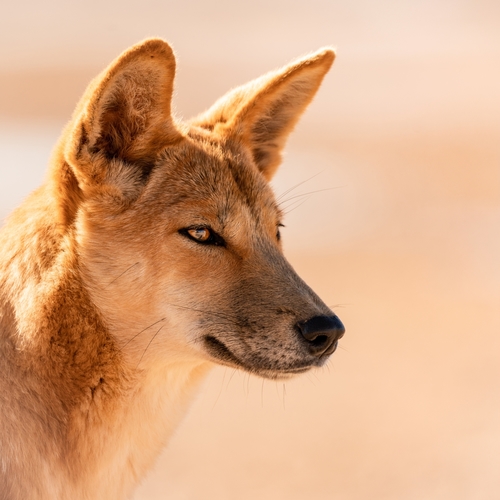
215, 176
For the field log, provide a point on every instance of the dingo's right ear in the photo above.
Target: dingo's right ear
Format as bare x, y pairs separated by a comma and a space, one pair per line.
125, 114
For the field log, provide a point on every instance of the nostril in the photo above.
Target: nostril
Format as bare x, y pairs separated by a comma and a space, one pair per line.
321, 333
320, 340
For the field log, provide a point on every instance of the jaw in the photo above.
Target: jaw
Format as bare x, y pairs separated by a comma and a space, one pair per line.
258, 365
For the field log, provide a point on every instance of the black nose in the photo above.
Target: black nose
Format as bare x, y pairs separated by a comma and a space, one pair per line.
321, 334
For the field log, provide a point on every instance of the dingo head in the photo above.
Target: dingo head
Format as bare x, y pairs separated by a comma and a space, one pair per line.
176, 227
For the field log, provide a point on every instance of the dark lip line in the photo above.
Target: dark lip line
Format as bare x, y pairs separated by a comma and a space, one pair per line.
221, 352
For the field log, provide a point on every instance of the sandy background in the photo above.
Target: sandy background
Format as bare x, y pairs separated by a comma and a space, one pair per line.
405, 243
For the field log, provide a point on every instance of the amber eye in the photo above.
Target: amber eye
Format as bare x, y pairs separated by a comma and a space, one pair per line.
204, 235
199, 233
278, 234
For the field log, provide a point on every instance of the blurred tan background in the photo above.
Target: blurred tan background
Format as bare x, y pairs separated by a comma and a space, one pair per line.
400, 234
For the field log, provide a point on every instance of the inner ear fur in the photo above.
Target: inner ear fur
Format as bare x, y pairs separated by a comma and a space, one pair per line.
125, 114
262, 113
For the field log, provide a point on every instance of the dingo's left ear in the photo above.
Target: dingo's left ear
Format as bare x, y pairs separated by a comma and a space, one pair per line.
262, 113
125, 115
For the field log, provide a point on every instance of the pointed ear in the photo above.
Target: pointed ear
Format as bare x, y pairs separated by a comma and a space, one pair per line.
124, 115
262, 113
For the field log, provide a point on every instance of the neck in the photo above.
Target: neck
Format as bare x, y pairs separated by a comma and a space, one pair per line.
128, 440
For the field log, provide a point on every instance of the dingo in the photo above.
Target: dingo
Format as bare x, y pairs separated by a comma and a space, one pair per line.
151, 253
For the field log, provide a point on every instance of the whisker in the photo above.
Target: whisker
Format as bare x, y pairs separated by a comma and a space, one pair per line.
310, 375
230, 378
248, 385
205, 311
147, 347
220, 390
309, 193
297, 185
295, 207
286, 207
233, 319
142, 331
120, 275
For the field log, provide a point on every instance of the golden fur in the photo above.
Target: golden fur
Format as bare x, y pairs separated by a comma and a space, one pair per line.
150, 253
